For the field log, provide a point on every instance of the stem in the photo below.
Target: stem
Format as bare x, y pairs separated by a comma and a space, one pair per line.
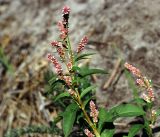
87, 118
70, 50
78, 99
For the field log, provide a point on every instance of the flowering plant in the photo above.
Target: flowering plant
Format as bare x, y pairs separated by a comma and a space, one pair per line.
74, 82
75, 94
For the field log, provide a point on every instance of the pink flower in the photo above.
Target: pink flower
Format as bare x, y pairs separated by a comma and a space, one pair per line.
67, 79
66, 10
150, 94
69, 65
56, 64
133, 69
140, 82
59, 48
94, 112
88, 133
63, 30
82, 44
54, 43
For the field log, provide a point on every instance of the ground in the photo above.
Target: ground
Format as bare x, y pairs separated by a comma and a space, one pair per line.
125, 29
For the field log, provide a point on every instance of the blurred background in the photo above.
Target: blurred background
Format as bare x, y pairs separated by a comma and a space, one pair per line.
118, 30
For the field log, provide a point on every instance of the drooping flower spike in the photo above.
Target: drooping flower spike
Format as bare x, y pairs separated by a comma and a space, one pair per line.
142, 81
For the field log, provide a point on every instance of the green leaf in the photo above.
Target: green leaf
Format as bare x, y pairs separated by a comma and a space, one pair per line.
104, 116
84, 92
139, 101
126, 110
83, 56
131, 83
134, 130
108, 133
86, 71
69, 118
158, 112
62, 95
123, 110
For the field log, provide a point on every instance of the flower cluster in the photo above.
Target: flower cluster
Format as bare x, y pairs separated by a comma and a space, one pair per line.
58, 46
56, 64
88, 133
94, 112
67, 79
82, 44
142, 81
133, 69
63, 25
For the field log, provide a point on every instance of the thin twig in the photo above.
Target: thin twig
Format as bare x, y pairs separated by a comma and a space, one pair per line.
113, 74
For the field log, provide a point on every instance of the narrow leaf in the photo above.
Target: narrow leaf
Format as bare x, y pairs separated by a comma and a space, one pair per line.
134, 130
62, 95
104, 116
86, 71
83, 56
108, 133
126, 110
69, 118
158, 112
84, 92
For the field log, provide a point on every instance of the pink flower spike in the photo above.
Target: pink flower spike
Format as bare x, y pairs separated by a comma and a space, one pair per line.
94, 112
66, 10
56, 64
88, 133
82, 44
63, 30
133, 69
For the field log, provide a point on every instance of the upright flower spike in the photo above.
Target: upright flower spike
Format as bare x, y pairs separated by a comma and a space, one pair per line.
62, 29
88, 133
65, 14
56, 64
94, 112
82, 44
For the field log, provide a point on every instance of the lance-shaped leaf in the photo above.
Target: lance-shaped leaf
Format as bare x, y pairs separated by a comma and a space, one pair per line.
87, 90
83, 56
108, 133
126, 110
62, 95
69, 118
134, 130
